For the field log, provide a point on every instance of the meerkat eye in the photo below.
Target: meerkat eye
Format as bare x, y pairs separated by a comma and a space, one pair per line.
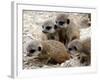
32, 51
61, 22
74, 48
68, 21
70, 49
55, 26
39, 48
48, 27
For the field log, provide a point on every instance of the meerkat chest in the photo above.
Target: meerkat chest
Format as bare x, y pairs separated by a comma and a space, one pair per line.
62, 35
53, 36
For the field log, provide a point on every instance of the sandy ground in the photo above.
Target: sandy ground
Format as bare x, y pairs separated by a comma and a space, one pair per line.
32, 22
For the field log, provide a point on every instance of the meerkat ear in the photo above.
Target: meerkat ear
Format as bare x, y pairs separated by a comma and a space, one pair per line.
68, 21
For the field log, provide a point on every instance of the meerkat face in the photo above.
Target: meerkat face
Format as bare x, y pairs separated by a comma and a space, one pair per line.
49, 27
34, 48
62, 21
86, 21
74, 47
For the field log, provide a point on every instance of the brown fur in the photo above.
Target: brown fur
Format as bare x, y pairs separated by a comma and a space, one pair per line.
52, 33
69, 31
54, 51
51, 51
85, 21
83, 47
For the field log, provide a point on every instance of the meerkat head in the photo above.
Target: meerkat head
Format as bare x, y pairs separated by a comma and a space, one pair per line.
49, 27
34, 48
75, 47
62, 21
86, 21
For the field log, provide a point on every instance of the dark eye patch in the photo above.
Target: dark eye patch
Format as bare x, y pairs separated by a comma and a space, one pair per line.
74, 48
32, 51
39, 48
68, 21
48, 27
70, 49
61, 22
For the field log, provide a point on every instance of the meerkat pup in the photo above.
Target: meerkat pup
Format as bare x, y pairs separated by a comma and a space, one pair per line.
85, 21
50, 29
68, 30
83, 48
48, 51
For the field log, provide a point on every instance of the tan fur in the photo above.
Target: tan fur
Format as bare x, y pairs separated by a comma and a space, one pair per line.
51, 51
55, 51
83, 47
85, 21
67, 32
86, 45
52, 33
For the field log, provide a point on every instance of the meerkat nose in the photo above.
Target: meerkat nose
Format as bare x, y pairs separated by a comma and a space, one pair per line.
55, 26
44, 31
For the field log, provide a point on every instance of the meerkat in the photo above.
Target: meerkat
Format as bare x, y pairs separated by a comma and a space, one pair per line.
68, 30
81, 47
85, 21
50, 29
49, 51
